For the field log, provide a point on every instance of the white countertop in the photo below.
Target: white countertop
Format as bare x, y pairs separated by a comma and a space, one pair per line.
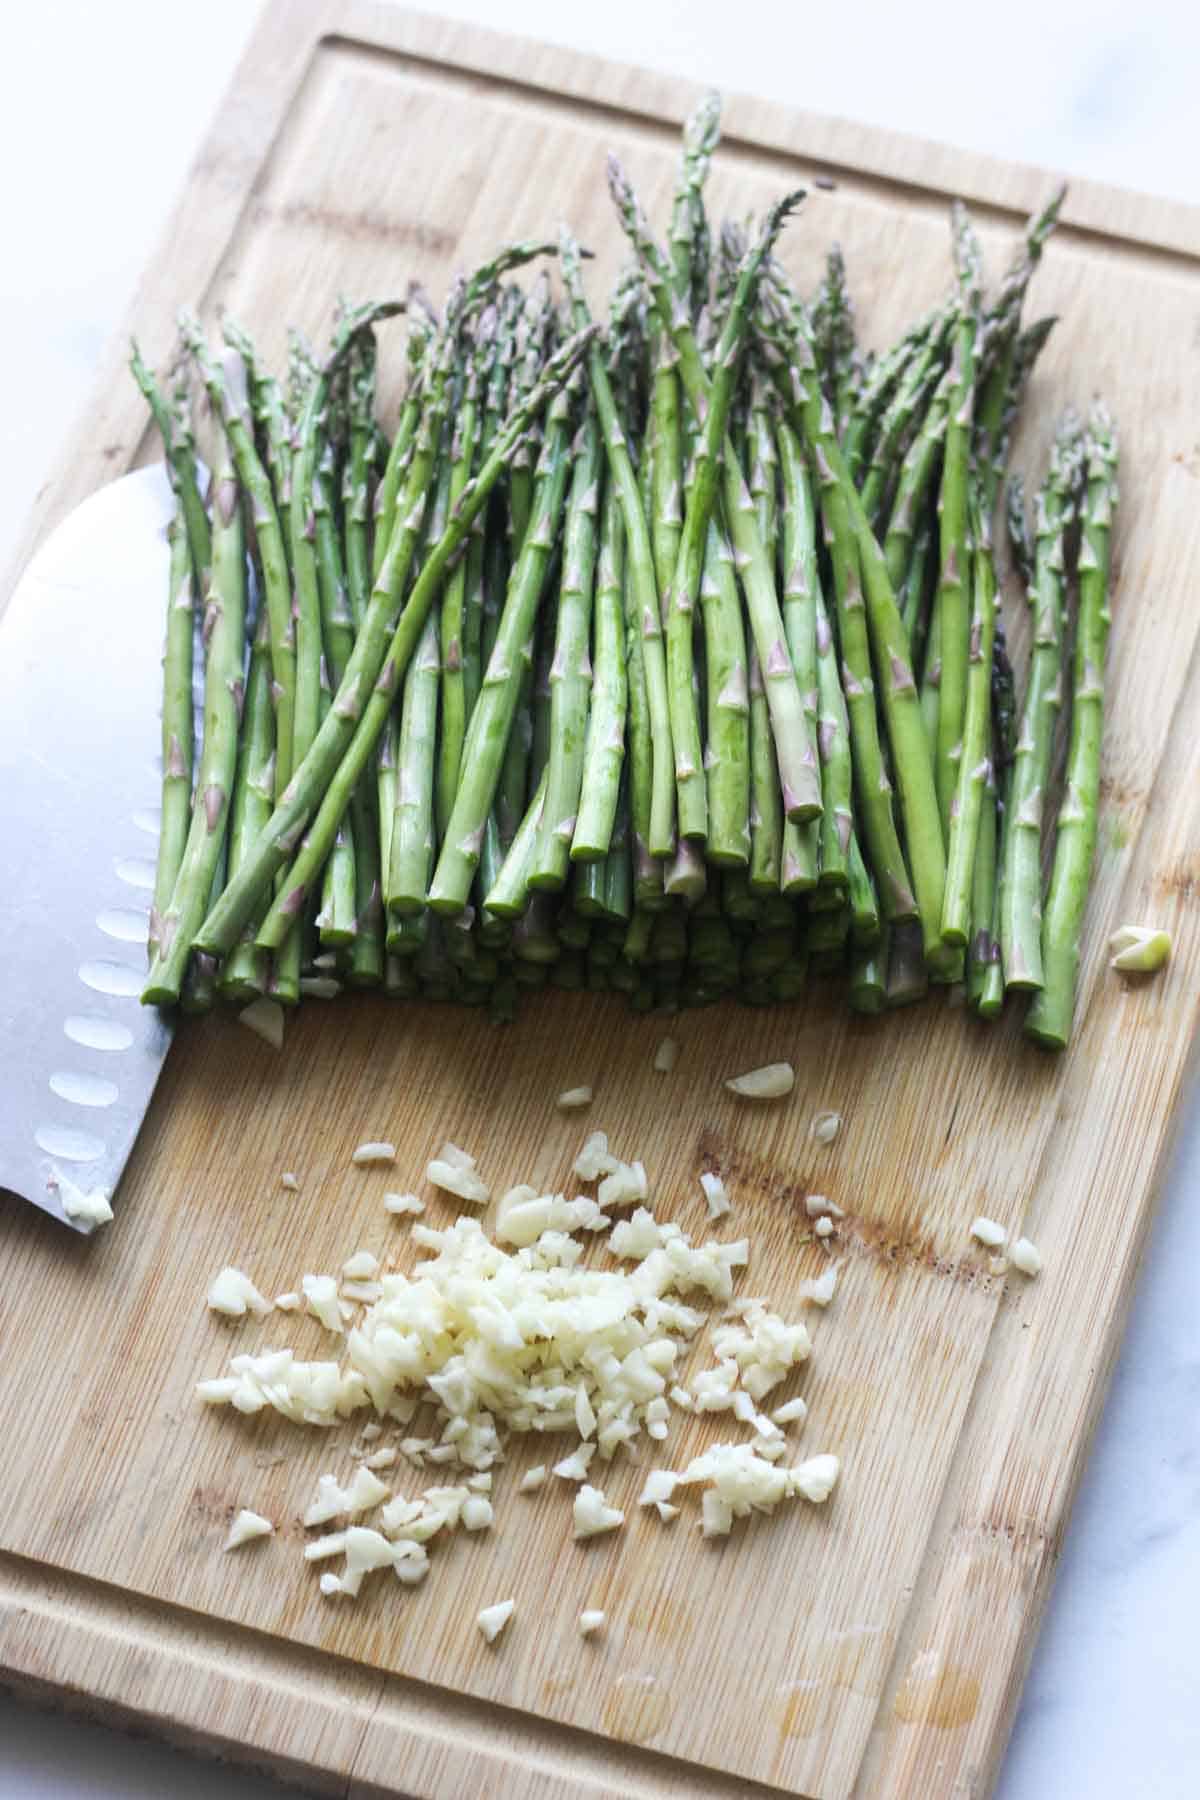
101, 109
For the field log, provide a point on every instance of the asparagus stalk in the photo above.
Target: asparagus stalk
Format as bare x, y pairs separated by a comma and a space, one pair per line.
639, 573
1051, 1011
571, 670
985, 950
604, 749
727, 720
833, 736
834, 339
1021, 878
974, 769
224, 633
411, 844
766, 808
422, 338
988, 992
953, 543
177, 727
1020, 538
917, 473
358, 471
174, 424
801, 579
273, 426
454, 708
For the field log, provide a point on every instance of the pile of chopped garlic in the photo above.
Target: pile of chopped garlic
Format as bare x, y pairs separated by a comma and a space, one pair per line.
512, 1333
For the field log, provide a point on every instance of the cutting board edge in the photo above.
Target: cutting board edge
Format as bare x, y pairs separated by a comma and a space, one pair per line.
84, 1648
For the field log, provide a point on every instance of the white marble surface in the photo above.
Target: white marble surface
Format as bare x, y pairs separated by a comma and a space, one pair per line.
101, 108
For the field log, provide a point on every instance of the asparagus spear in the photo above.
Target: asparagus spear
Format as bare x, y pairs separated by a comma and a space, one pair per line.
174, 423
177, 728
727, 719
798, 551
341, 612
454, 709
191, 555
224, 632
834, 339
766, 809
358, 471
987, 990
422, 337
953, 543
700, 136
833, 736
1050, 1013
411, 844
604, 749
1021, 878
571, 670
273, 426
917, 472
974, 769
1020, 539
639, 573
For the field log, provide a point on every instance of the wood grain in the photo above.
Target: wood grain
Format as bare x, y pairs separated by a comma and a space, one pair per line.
875, 1647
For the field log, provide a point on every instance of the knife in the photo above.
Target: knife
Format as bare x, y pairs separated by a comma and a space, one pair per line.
80, 694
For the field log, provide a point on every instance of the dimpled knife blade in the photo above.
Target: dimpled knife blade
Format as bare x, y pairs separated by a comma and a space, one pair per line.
80, 698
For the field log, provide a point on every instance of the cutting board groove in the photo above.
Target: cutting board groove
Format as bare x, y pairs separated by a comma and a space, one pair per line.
876, 1647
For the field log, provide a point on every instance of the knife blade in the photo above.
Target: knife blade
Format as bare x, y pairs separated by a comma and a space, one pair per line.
80, 696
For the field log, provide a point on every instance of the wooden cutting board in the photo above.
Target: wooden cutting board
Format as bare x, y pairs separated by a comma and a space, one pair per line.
873, 1647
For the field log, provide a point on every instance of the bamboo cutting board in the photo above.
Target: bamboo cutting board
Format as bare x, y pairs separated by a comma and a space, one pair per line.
875, 1647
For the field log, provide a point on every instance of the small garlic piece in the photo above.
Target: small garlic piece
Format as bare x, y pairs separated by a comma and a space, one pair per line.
403, 1203
234, 1294
590, 1621
816, 1206
1027, 1257
989, 1233
715, 1193
666, 1056
1139, 949
454, 1172
574, 1099
376, 1151
771, 1082
288, 1180
265, 1019
825, 1127
492, 1620
247, 1526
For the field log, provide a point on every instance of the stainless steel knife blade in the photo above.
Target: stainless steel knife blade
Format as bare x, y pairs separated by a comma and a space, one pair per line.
80, 696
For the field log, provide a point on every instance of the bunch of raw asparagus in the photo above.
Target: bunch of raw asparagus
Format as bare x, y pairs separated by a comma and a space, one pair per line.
664, 656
